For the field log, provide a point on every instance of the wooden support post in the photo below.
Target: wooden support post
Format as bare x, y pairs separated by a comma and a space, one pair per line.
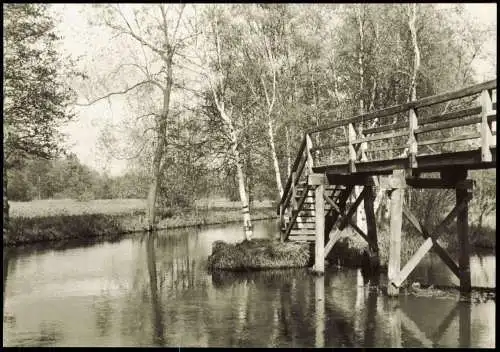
319, 259
319, 298
351, 136
486, 136
395, 231
462, 195
465, 321
412, 142
310, 160
371, 225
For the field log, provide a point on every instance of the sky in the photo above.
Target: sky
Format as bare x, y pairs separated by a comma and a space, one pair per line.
84, 40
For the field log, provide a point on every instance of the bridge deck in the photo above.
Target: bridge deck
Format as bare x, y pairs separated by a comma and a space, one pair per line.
469, 160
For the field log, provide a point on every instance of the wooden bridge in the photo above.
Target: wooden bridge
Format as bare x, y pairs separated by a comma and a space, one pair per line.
341, 166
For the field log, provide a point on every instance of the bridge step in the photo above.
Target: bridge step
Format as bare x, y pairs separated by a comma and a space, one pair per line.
302, 232
302, 225
301, 238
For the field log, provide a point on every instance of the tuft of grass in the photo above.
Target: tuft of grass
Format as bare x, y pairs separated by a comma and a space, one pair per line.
258, 254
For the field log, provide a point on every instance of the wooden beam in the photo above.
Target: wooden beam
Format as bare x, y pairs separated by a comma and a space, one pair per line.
463, 197
319, 259
396, 222
332, 241
439, 183
371, 220
355, 180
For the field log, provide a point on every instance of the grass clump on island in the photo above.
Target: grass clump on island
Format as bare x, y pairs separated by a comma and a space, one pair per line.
64, 219
258, 254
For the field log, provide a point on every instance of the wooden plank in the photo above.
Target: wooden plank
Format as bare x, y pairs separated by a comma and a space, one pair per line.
396, 222
331, 242
302, 238
462, 197
302, 232
303, 225
462, 93
449, 124
380, 136
460, 137
438, 183
450, 116
319, 259
344, 220
383, 149
391, 127
413, 262
330, 146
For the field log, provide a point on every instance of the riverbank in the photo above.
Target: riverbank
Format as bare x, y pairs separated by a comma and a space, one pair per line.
108, 218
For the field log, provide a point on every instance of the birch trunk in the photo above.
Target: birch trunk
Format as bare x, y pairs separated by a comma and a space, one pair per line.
288, 154
245, 209
159, 150
5, 205
275, 159
360, 211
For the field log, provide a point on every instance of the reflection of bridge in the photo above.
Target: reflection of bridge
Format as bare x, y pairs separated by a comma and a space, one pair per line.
370, 306
351, 157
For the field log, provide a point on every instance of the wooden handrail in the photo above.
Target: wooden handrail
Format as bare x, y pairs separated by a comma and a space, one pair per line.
427, 101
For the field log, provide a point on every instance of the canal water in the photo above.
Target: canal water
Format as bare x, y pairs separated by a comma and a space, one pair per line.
155, 291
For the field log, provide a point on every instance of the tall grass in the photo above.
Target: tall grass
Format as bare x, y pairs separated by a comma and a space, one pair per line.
258, 254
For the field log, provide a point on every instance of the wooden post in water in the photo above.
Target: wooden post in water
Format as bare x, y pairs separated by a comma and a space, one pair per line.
462, 195
371, 225
319, 300
397, 183
319, 244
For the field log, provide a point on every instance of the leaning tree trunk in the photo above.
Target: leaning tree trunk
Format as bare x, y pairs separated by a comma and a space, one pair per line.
5, 206
161, 127
275, 158
245, 209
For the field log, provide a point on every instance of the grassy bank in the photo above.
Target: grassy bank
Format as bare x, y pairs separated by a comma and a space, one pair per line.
258, 254
50, 220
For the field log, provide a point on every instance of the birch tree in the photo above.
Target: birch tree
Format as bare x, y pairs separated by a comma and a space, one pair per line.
219, 59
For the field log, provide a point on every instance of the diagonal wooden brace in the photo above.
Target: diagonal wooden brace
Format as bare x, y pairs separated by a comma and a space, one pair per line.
344, 218
430, 242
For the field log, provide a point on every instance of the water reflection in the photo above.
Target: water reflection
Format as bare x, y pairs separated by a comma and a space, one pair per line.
154, 290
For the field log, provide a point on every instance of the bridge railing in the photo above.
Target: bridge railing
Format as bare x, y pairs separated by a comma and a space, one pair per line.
412, 129
301, 167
